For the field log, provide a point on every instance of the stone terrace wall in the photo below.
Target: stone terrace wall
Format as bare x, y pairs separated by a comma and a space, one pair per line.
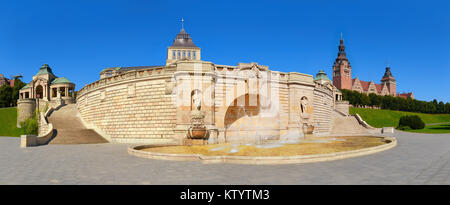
323, 103
134, 107
25, 109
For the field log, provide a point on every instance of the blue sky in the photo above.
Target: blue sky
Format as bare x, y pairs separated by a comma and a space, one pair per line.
80, 38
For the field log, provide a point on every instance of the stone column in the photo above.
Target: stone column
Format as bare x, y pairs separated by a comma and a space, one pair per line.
45, 92
66, 92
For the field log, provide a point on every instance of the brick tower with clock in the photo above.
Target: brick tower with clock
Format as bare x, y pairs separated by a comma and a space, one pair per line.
342, 70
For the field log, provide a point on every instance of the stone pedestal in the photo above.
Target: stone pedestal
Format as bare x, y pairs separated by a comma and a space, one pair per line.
191, 142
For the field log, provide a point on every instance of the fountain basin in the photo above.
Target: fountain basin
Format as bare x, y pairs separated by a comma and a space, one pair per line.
338, 149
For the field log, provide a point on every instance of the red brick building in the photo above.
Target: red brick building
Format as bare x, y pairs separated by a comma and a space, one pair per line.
342, 78
4, 80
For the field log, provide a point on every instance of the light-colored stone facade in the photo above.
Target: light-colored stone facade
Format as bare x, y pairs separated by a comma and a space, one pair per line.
247, 103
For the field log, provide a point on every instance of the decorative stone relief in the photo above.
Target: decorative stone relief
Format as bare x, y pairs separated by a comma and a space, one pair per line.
169, 86
102, 96
131, 90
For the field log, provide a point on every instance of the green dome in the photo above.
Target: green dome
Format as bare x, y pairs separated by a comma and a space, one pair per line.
322, 76
45, 69
61, 80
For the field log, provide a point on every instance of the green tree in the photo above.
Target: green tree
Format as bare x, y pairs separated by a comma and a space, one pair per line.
365, 99
18, 84
5, 95
441, 107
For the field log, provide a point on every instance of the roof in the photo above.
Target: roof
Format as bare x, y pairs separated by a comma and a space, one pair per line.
322, 76
379, 88
405, 95
11, 82
183, 39
45, 69
61, 81
387, 75
25, 87
365, 85
137, 67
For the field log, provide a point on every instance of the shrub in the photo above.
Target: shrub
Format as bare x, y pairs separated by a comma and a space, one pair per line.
404, 128
30, 126
412, 121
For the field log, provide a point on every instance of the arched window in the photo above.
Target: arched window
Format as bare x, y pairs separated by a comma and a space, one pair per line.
179, 55
189, 54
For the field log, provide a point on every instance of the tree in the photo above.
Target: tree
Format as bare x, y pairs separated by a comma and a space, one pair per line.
18, 84
365, 100
441, 107
375, 100
5, 95
447, 108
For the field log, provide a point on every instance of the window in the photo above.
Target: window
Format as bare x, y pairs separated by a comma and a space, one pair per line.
179, 55
194, 55
173, 55
184, 54
189, 54
108, 73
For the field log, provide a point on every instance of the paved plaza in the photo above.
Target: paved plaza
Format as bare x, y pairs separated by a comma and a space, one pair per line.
417, 159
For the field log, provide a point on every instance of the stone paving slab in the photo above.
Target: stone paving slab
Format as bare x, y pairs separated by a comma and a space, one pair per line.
417, 159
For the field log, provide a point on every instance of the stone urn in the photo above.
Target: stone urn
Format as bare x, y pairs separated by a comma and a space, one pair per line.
197, 133
197, 129
308, 129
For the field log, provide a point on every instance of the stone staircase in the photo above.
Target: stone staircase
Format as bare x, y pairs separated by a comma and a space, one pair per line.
347, 125
70, 130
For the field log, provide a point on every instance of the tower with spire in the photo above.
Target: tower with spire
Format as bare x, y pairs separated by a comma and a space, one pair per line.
342, 70
389, 81
182, 48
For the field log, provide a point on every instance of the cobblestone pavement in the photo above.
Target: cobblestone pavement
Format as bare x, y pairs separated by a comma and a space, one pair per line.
417, 159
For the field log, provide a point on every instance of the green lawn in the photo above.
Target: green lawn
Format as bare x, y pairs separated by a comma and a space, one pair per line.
390, 118
8, 119
442, 128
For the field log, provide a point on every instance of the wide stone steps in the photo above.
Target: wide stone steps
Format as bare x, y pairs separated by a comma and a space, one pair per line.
70, 130
83, 136
347, 125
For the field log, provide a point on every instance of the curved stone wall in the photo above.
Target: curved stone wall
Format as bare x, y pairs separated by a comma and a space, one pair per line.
25, 109
130, 108
153, 105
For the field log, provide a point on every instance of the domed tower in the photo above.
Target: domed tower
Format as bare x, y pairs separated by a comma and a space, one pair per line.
322, 77
183, 48
342, 71
390, 81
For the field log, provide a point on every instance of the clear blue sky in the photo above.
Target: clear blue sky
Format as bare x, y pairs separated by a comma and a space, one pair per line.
80, 38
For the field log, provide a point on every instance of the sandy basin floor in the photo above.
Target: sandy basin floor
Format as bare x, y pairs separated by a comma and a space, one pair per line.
312, 145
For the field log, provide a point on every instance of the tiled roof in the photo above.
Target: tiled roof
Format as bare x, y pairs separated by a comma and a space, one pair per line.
183, 39
45, 69
137, 67
61, 80
405, 95
25, 87
379, 88
322, 76
365, 85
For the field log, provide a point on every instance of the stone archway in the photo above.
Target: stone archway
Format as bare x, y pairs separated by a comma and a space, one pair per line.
39, 92
248, 120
